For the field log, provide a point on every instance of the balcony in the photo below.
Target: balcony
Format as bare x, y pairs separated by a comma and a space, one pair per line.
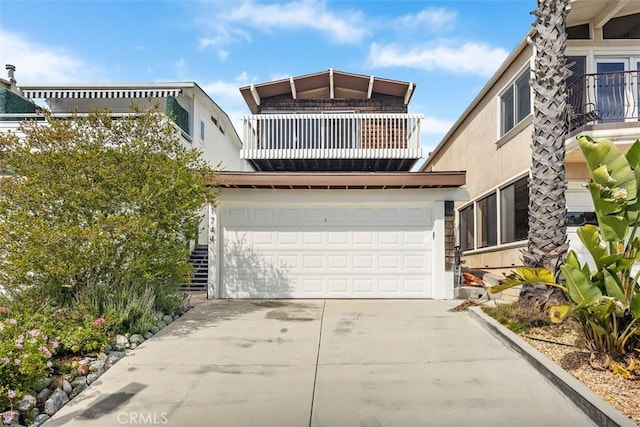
332, 142
11, 122
604, 98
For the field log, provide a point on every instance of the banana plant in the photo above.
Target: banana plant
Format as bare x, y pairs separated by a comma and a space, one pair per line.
605, 300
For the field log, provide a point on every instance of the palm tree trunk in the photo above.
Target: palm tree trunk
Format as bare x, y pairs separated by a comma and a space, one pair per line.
547, 245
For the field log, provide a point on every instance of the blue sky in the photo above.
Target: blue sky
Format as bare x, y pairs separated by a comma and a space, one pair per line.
448, 48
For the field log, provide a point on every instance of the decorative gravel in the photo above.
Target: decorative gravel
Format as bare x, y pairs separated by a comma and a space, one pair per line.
621, 393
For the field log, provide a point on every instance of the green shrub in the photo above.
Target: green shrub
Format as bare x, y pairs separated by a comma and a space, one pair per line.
125, 307
92, 201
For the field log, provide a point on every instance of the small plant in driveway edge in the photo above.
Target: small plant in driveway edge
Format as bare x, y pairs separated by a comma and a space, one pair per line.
604, 300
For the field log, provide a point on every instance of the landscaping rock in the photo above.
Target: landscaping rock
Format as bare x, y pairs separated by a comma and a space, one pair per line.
26, 403
98, 367
121, 340
167, 319
118, 347
41, 384
108, 348
114, 356
91, 378
136, 339
40, 419
176, 316
43, 395
57, 400
78, 381
159, 315
78, 389
132, 346
102, 356
11, 417
161, 324
155, 330
66, 386
148, 335
34, 412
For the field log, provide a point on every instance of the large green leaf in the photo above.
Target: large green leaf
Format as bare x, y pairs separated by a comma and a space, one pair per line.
633, 154
618, 174
590, 237
558, 313
594, 153
613, 228
524, 275
580, 288
613, 287
634, 306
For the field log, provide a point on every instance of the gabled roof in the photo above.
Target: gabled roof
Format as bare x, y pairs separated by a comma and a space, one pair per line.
329, 84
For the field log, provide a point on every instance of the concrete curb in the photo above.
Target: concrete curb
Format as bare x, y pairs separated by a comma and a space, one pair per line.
602, 413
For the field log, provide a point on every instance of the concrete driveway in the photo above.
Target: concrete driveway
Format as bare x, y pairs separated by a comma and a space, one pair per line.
322, 363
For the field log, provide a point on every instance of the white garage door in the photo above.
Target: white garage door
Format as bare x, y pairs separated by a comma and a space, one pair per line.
340, 251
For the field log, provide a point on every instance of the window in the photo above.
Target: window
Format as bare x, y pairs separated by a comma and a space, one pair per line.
466, 228
487, 221
514, 211
622, 27
515, 103
201, 130
577, 219
579, 32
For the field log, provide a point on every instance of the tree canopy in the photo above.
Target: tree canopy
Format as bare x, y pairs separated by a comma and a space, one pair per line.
93, 201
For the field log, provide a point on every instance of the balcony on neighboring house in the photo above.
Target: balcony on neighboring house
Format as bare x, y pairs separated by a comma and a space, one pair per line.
606, 98
11, 122
332, 141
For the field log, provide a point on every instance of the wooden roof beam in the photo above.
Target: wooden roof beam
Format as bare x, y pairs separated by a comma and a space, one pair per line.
407, 96
293, 88
370, 89
331, 87
256, 96
608, 11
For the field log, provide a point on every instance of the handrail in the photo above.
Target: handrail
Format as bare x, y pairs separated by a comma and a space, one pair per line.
318, 135
18, 117
607, 97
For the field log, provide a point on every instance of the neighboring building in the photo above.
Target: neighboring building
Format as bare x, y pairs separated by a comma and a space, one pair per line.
199, 120
332, 211
491, 140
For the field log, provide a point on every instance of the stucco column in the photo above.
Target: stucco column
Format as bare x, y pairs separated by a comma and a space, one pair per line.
213, 277
442, 279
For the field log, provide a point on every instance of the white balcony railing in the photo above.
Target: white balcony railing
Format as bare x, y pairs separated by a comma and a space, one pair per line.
11, 121
332, 136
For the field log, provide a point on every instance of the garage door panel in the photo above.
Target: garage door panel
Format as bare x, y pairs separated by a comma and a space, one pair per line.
327, 252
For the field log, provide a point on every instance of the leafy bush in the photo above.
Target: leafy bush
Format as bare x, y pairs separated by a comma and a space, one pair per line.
25, 356
92, 201
606, 300
126, 307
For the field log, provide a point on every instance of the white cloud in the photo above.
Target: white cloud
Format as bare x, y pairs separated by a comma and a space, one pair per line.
38, 63
436, 126
469, 58
223, 54
227, 95
429, 19
231, 25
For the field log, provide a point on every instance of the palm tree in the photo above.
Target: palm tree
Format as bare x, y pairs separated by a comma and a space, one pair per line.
547, 245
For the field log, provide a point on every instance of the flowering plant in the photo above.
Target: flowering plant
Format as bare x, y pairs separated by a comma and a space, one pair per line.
25, 357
